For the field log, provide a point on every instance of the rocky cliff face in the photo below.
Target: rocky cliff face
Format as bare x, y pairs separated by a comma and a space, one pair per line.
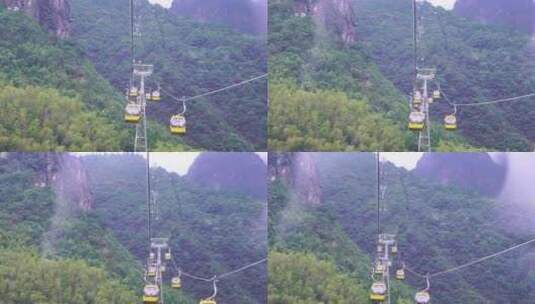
519, 14
53, 15
248, 16
70, 183
299, 172
474, 171
336, 16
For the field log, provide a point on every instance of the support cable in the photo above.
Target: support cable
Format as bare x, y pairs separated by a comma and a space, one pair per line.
477, 261
185, 99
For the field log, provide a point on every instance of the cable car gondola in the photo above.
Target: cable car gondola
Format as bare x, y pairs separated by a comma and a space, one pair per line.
151, 271
133, 92
132, 113
378, 291
422, 297
450, 122
379, 248
156, 96
416, 121
436, 94
168, 255
176, 282
400, 274
208, 301
379, 268
394, 249
151, 294
177, 124
417, 98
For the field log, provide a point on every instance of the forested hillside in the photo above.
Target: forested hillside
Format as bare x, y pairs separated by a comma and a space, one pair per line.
211, 231
334, 93
437, 227
189, 58
475, 62
329, 94
52, 97
55, 243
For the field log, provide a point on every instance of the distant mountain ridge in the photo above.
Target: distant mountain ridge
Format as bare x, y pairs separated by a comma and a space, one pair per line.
248, 16
476, 171
238, 172
519, 14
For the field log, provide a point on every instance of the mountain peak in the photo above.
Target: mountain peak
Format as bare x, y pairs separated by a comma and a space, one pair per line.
238, 172
247, 16
519, 14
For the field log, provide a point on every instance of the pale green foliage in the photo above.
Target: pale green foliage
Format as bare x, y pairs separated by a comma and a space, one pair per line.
299, 278
327, 121
37, 119
26, 278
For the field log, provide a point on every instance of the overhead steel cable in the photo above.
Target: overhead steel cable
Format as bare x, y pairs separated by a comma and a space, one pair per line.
477, 261
510, 99
217, 277
149, 199
378, 164
185, 99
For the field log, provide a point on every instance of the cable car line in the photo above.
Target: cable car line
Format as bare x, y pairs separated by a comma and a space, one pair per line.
186, 99
477, 261
221, 276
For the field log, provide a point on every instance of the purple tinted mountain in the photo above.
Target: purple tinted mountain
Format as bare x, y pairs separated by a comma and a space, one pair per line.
519, 14
336, 16
248, 16
53, 15
475, 171
235, 172
297, 171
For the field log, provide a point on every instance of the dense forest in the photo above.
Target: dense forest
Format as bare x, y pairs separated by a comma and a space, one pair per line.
438, 226
53, 98
316, 71
64, 225
87, 73
189, 58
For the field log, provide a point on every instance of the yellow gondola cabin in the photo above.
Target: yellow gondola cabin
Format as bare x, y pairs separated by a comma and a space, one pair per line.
450, 123
378, 292
151, 294
416, 121
176, 282
132, 113
177, 124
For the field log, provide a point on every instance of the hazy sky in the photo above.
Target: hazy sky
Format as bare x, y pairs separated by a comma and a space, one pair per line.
448, 4
407, 160
164, 3
173, 162
180, 162
445, 3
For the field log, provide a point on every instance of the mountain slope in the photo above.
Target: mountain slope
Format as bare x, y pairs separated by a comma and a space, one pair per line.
190, 58
38, 76
326, 92
211, 231
63, 217
475, 62
437, 227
